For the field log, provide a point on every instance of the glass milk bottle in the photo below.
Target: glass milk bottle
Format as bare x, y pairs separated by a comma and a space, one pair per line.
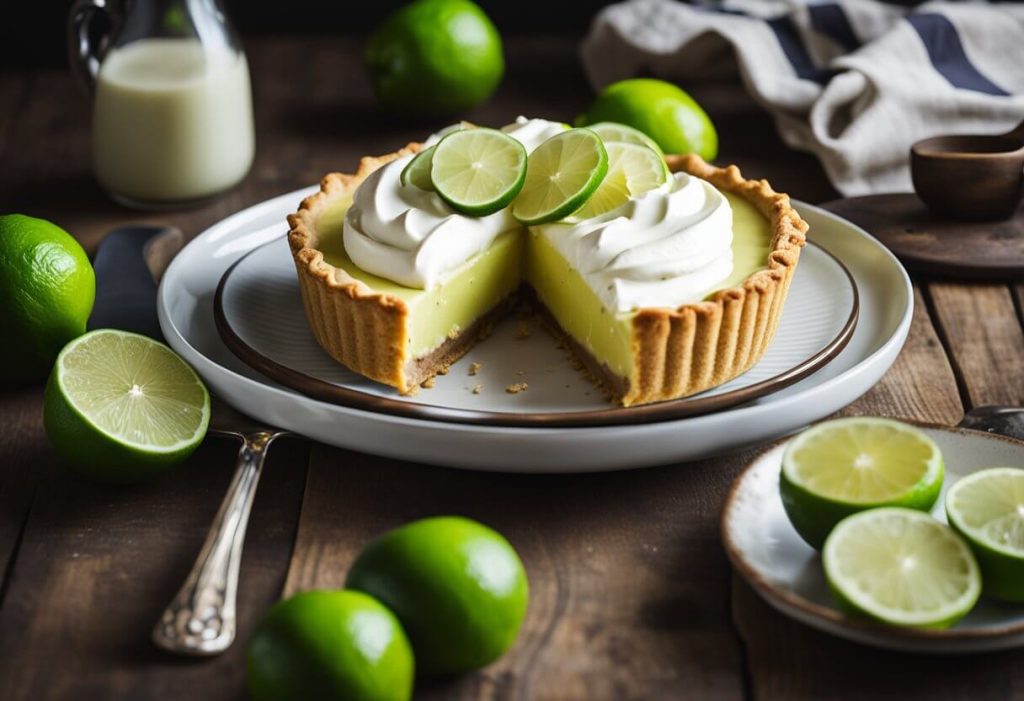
172, 105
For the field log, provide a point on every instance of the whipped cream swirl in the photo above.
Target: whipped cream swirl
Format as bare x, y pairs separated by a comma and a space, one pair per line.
664, 248
410, 236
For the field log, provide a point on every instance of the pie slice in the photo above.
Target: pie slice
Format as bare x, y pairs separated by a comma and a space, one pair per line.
402, 335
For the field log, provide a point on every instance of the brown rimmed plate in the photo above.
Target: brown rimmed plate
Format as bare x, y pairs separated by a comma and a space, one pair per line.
786, 572
259, 316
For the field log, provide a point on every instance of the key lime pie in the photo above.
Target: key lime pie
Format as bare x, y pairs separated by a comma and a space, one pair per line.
665, 276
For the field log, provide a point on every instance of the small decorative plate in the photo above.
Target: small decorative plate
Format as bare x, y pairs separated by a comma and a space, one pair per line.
785, 571
260, 317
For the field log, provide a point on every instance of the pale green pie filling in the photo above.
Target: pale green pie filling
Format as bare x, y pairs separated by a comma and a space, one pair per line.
484, 280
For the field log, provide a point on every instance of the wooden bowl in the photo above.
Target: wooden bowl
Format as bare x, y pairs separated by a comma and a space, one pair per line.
970, 177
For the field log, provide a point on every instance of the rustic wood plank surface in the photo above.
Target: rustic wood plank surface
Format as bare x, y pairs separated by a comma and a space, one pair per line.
632, 596
982, 332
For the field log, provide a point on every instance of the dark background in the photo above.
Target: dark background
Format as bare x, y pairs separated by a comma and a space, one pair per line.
32, 32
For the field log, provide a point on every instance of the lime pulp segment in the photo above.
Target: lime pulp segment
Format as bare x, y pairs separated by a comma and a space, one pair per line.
134, 390
989, 506
478, 171
632, 170
417, 171
561, 174
901, 566
862, 460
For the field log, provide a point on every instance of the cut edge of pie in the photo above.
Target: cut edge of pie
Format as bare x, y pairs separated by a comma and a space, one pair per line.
676, 352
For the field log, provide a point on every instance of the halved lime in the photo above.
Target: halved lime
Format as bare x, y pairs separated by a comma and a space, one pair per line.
417, 171
901, 566
562, 173
987, 508
122, 407
616, 133
632, 170
478, 171
843, 466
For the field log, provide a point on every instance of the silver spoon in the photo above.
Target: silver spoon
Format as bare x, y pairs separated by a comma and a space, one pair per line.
200, 620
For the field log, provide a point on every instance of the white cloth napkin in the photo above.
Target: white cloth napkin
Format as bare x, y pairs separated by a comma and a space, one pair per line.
854, 81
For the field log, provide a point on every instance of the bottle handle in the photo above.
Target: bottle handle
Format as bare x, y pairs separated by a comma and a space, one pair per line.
85, 48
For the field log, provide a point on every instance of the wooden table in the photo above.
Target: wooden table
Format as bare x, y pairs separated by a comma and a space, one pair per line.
631, 597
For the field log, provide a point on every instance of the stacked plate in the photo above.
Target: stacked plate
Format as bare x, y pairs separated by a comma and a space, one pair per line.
229, 303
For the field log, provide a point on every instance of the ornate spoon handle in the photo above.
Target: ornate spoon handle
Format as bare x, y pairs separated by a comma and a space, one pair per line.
201, 618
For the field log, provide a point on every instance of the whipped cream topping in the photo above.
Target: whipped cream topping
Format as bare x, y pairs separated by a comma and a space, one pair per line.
663, 248
410, 236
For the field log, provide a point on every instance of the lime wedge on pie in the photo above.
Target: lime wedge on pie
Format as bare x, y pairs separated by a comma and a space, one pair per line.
840, 467
987, 509
563, 173
417, 173
678, 290
632, 171
901, 566
478, 171
615, 133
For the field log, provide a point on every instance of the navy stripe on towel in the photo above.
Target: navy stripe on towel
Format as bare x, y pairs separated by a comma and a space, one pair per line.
793, 46
947, 55
789, 39
830, 19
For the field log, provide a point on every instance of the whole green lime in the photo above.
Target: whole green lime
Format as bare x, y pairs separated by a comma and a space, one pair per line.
48, 287
329, 645
457, 586
659, 109
435, 57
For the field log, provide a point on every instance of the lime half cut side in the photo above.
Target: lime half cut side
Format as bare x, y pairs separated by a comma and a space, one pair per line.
839, 467
902, 567
478, 171
121, 406
562, 173
987, 509
632, 170
417, 171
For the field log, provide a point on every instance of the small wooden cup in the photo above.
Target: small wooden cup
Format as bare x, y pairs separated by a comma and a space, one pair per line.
970, 177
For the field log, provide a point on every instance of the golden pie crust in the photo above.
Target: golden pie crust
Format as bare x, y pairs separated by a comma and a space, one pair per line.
676, 352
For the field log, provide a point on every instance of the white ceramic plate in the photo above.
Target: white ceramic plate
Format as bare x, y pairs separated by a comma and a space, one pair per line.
185, 306
766, 550
260, 316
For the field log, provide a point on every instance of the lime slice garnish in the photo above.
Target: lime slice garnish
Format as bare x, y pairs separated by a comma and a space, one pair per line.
121, 406
615, 133
478, 171
562, 173
843, 466
417, 171
632, 170
901, 566
987, 508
